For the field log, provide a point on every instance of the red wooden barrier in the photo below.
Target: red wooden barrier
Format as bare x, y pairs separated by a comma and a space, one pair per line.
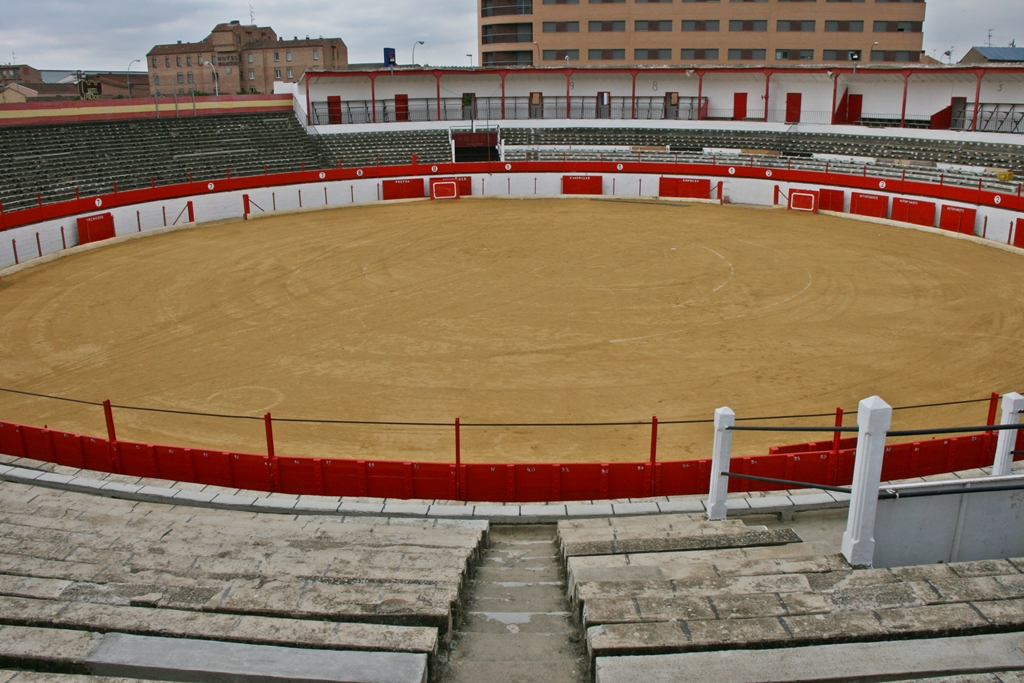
139, 460
874, 205
913, 211
582, 184
690, 188
95, 228
67, 449
831, 200
213, 468
464, 182
405, 188
958, 219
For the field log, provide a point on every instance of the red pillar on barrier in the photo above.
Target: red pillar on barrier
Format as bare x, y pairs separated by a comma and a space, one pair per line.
458, 443
108, 413
245, 207
837, 435
39, 245
191, 213
268, 421
654, 456
993, 408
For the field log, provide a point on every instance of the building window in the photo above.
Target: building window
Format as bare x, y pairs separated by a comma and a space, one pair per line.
507, 33
213, 60
178, 59
653, 26
699, 0
228, 71
795, 26
844, 0
156, 80
190, 79
736, 54
154, 62
606, 55
167, 61
663, 54
561, 27
316, 54
597, 2
844, 26
745, 25
748, 0
688, 54
181, 78
288, 56
252, 75
794, 55
897, 27
290, 74
561, 55
607, 26
904, 56
188, 60
501, 8
277, 73
277, 56
562, 2
841, 55
710, 25
898, 0
251, 57
642, 1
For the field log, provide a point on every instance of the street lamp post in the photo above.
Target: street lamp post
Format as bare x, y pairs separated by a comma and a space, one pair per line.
418, 42
128, 76
470, 61
216, 81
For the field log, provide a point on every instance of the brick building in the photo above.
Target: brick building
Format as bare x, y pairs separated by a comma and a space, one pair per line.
650, 32
19, 73
235, 58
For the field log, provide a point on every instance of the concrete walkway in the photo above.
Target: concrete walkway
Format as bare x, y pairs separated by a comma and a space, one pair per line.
518, 627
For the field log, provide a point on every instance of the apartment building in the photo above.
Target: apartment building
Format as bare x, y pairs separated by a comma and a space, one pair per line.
236, 58
676, 32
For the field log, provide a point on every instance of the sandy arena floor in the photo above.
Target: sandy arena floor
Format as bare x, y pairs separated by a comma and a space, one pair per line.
510, 311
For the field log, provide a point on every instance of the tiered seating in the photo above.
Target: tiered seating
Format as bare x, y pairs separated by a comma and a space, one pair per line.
386, 148
54, 160
677, 584
70, 561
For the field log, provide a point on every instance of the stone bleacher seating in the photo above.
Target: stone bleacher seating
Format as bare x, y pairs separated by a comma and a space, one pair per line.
386, 148
679, 584
73, 562
54, 160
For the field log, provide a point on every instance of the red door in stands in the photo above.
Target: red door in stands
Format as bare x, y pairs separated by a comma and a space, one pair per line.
333, 109
401, 107
793, 101
853, 108
739, 106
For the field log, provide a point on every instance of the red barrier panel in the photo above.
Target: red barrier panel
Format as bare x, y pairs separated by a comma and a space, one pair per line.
803, 200
628, 480
898, 462
98, 455
37, 443
682, 478
864, 204
582, 184
844, 444
213, 468
10, 440
434, 480
406, 188
774, 466
344, 477
251, 472
95, 228
385, 479
831, 200
485, 483
968, 452
913, 211
1018, 235
67, 449
580, 481
138, 460
690, 188
958, 219
533, 483
301, 476
1020, 444
464, 183
174, 464
809, 467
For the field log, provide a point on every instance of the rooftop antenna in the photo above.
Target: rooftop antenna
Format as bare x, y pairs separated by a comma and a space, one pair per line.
252, 15
989, 43
949, 54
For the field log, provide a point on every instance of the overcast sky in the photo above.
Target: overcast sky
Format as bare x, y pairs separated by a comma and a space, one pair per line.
107, 35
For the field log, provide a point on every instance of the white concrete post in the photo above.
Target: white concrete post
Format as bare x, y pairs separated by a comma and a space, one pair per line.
874, 416
719, 489
1013, 404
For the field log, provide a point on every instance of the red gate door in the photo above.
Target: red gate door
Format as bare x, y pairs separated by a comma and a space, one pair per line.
793, 101
853, 108
1018, 235
333, 109
739, 106
401, 107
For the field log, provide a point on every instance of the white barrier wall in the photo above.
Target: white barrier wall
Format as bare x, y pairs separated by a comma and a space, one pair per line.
995, 223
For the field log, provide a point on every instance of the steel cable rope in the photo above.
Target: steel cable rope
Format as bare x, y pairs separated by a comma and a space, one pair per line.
536, 424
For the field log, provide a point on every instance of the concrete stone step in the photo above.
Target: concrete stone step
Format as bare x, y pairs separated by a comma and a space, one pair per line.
704, 541
688, 557
11, 675
224, 627
929, 621
941, 658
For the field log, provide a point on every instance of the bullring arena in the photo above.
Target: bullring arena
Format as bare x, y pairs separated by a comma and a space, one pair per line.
366, 381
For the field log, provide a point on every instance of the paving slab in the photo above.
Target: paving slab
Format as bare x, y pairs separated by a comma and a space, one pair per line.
200, 661
695, 542
842, 662
46, 648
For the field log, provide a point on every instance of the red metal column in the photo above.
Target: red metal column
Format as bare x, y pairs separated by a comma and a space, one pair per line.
458, 443
903, 112
373, 98
267, 420
109, 415
767, 83
977, 99
700, 94
835, 91
633, 107
502, 74
437, 75
309, 112
568, 91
